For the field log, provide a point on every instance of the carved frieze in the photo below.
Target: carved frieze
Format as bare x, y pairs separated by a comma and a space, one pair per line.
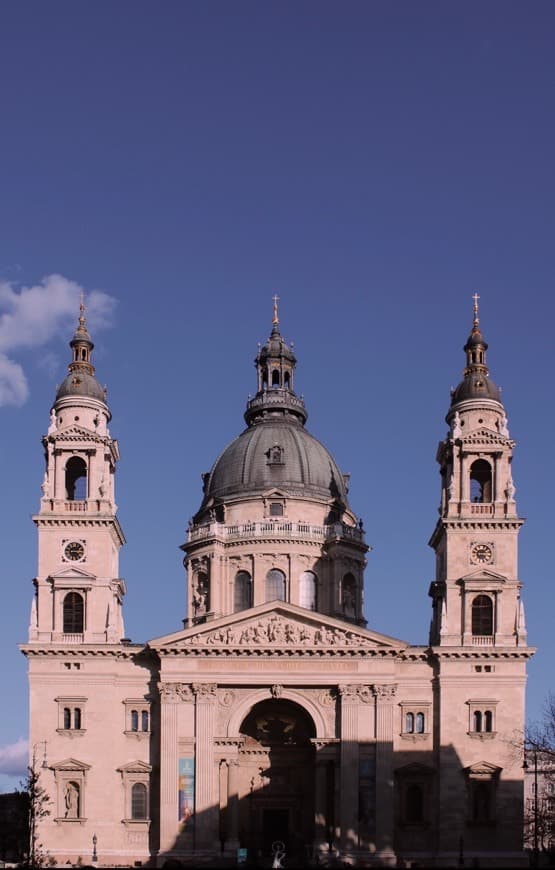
275, 631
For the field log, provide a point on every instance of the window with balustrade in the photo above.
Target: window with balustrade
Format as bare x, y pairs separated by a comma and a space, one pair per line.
482, 616
480, 481
76, 479
73, 613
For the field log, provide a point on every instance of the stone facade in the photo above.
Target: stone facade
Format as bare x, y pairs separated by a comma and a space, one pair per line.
275, 715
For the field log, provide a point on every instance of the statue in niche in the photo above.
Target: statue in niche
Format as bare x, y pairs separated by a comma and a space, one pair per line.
510, 489
72, 801
200, 595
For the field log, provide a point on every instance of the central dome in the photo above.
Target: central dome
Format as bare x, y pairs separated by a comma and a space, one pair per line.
276, 453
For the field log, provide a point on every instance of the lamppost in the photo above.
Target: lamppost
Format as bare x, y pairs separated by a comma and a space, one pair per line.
94, 842
535, 850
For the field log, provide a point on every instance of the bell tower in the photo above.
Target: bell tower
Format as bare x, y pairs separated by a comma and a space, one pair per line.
78, 593
476, 593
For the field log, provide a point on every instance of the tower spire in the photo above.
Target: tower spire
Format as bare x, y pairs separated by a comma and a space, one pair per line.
275, 320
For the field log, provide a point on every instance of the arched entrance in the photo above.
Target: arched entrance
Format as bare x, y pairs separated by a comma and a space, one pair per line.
277, 768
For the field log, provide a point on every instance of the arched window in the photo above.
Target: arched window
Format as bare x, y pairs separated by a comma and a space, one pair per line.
67, 718
480, 481
482, 615
76, 479
275, 378
286, 380
409, 723
77, 718
275, 585
242, 591
419, 723
348, 595
477, 721
134, 720
139, 801
488, 720
73, 613
307, 596
414, 804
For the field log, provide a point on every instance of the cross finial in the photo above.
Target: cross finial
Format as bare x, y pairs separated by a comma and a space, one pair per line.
275, 320
475, 297
82, 308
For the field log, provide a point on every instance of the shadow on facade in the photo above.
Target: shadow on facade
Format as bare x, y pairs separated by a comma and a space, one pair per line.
340, 804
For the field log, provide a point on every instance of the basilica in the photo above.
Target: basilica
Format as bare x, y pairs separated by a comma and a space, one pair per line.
274, 725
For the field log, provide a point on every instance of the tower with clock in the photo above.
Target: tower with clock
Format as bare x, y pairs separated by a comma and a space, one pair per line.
476, 593
78, 590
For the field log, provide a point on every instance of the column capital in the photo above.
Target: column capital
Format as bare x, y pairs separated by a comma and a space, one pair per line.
385, 692
348, 693
205, 691
175, 692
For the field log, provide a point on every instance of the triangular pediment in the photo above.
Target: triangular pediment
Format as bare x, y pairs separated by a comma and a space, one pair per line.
483, 769
71, 764
276, 625
415, 768
77, 433
135, 767
485, 436
73, 573
483, 575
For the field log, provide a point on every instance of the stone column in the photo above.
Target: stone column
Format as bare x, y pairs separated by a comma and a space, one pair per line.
348, 774
385, 822
169, 810
206, 798
323, 819
232, 843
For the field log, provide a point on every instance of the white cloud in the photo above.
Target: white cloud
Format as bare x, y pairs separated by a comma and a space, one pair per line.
14, 758
33, 316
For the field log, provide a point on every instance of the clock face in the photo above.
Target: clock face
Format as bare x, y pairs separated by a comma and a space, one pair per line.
74, 551
481, 553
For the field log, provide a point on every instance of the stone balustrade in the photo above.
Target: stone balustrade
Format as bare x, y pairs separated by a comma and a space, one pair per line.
274, 529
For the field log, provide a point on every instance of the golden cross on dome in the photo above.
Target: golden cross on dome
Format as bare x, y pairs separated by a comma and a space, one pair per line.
475, 297
276, 300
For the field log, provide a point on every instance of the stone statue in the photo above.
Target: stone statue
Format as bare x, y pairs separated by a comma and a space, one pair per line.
52, 427
456, 430
503, 427
72, 801
44, 485
510, 489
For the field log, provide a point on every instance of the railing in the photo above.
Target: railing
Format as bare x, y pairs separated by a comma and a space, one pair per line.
479, 508
482, 640
75, 506
72, 638
276, 529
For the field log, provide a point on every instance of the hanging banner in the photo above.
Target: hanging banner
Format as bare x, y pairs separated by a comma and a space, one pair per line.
186, 773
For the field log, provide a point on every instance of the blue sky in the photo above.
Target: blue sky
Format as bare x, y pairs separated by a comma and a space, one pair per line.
372, 162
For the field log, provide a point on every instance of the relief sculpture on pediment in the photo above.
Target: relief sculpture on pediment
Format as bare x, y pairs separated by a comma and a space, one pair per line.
276, 631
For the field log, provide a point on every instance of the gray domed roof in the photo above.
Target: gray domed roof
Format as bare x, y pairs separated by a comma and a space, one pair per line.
276, 453
476, 385
80, 383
